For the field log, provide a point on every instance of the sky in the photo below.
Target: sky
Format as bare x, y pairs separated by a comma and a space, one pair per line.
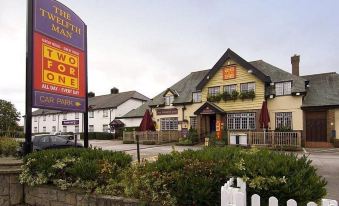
148, 45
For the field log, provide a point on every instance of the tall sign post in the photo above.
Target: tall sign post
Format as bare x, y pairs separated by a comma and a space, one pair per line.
56, 68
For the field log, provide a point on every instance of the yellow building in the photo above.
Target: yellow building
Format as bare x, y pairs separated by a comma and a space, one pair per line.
231, 94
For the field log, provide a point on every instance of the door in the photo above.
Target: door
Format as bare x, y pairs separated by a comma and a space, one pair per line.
316, 126
212, 123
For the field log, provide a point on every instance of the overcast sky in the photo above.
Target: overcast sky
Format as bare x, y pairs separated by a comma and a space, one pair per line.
149, 45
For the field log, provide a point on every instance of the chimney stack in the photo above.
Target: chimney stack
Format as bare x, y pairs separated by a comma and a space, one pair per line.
295, 64
114, 90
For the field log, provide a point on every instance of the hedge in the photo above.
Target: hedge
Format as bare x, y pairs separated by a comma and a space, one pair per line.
89, 169
195, 177
8, 146
98, 135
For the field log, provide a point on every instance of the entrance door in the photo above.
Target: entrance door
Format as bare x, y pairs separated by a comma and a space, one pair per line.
212, 123
316, 126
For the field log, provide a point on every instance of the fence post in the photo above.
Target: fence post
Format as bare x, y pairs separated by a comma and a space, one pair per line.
255, 200
328, 202
272, 201
291, 202
311, 204
134, 137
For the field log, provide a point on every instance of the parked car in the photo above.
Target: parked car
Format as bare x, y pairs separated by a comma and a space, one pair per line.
42, 142
66, 135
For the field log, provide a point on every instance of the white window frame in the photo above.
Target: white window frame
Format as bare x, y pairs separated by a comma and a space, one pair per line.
64, 128
105, 128
105, 113
53, 128
213, 91
283, 88
196, 96
241, 121
169, 100
76, 129
35, 129
284, 119
53, 117
44, 117
246, 87
193, 122
76, 115
44, 129
64, 116
169, 124
91, 114
230, 88
91, 128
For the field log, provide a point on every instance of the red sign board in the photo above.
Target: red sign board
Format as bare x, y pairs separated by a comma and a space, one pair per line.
230, 72
59, 57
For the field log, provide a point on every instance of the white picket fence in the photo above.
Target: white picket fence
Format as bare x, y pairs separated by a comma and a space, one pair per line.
236, 196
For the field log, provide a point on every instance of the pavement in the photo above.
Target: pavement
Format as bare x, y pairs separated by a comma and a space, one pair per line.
327, 163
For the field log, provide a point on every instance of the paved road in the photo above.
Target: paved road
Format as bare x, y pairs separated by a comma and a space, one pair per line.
325, 160
327, 163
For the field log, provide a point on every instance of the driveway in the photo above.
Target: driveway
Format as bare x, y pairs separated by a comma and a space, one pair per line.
327, 163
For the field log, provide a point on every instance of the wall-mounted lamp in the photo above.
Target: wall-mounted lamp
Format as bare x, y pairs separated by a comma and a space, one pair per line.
297, 94
272, 83
250, 71
271, 96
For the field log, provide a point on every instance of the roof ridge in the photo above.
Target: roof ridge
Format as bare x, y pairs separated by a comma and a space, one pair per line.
326, 73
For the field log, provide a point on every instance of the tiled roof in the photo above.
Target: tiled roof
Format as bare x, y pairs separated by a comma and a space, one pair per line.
323, 90
278, 75
102, 102
135, 113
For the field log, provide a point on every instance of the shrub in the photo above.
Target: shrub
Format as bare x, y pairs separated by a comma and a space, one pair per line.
148, 142
8, 146
98, 135
12, 134
195, 177
90, 169
191, 138
247, 94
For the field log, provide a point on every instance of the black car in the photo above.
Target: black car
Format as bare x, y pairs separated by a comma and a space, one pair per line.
42, 142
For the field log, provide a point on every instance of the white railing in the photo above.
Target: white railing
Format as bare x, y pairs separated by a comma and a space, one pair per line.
236, 196
272, 138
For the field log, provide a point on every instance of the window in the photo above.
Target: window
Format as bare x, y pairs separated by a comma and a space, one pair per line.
58, 140
213, 91
169, 100
64, 128
193, 122
283, 88
76, 129
246, 87
35, 119
91, 114
283, 120
35, 129
241, 121
76, 115
54, 117
54, 129
230, 88
65, 116
44, 118
105, 128
44, 129
90, 128
105, 113
169, 123
196, 96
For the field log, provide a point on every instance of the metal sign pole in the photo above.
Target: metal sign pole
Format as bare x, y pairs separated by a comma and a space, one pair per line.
29, 68
86, 96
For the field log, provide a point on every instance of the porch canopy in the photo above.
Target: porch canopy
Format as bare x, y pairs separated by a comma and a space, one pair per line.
116, 124
209, 108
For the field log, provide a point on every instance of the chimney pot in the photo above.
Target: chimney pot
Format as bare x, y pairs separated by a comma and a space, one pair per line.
295, 60
91, 94
114, 90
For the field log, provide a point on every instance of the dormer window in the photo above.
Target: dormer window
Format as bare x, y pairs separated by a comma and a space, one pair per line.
196, 96
283, 88
169, 100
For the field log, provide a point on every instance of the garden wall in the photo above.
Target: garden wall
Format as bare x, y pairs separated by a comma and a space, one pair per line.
13, 193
